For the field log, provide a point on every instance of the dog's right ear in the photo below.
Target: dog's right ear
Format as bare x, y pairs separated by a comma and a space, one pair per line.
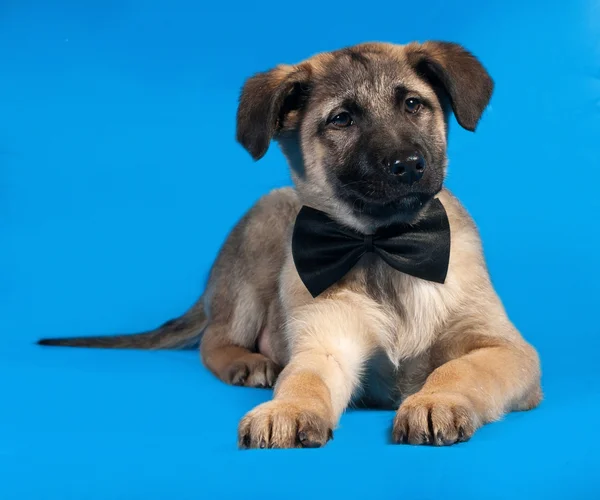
266, 105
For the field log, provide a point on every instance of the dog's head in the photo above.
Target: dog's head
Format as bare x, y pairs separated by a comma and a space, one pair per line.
364, 128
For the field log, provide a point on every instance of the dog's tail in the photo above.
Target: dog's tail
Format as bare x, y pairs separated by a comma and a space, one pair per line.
179, 333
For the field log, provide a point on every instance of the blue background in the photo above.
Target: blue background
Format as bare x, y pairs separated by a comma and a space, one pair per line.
120, 177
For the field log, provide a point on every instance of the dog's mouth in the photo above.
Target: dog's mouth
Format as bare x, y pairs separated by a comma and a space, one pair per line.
405, 206
385, 203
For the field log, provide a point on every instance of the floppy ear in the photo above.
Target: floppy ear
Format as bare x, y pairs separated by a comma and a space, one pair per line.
463, 78
266, 103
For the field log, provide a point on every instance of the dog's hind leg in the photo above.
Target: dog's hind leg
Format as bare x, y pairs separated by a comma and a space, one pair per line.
232, 343
243, 344
234, 364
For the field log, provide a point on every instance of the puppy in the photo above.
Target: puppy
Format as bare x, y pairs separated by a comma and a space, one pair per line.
364, 130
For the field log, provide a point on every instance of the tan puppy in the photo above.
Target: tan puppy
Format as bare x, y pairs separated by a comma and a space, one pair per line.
446, 355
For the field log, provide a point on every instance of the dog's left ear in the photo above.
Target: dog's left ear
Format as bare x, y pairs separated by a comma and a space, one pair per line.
466, 82
266, 105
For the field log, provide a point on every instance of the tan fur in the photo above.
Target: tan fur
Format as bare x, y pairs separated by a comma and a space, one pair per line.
446, 355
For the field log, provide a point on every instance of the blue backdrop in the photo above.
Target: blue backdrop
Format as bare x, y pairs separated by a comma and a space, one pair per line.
120, 177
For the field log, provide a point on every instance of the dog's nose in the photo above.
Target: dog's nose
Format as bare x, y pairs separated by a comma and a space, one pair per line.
407, 166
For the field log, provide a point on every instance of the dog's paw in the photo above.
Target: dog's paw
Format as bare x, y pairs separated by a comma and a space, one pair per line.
253, 370
283, 424
438, 419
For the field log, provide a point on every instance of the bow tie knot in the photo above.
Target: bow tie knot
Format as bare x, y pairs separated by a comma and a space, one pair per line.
369, 243
325, 251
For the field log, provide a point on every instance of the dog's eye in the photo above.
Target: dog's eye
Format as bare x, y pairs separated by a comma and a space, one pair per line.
342, 120
412, 105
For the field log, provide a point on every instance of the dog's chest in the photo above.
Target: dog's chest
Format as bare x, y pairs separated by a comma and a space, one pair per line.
413, 310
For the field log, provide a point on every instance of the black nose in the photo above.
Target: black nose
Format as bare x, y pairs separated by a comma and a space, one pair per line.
407, 166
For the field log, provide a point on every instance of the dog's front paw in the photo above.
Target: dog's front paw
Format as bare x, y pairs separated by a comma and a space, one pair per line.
283, 424
439, 419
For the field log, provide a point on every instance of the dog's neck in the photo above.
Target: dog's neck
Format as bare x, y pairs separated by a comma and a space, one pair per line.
345, 215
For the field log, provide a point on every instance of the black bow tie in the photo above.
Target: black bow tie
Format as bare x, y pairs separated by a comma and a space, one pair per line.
324, 251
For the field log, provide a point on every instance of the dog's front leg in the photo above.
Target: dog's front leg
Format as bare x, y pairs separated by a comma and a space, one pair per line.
330, 343
483, 378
